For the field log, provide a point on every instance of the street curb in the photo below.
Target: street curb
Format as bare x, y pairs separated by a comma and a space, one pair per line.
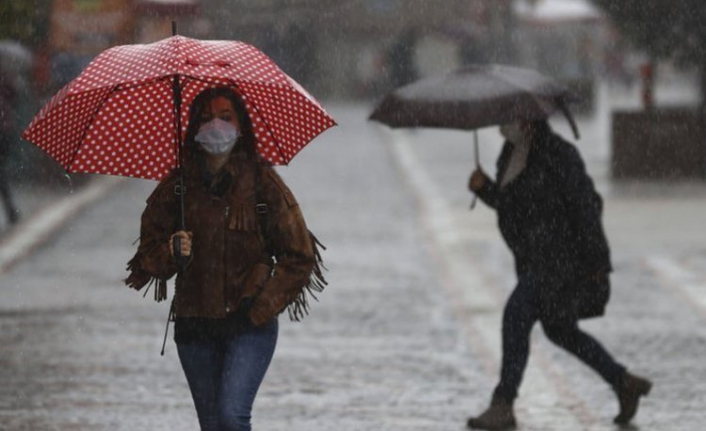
28, 235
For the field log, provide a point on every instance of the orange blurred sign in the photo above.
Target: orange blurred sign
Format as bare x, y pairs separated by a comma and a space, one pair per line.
89, 26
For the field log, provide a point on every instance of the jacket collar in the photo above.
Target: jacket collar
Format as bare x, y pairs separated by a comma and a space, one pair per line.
236, 178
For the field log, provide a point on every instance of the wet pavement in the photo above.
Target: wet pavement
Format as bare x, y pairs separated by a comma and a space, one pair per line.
406, 336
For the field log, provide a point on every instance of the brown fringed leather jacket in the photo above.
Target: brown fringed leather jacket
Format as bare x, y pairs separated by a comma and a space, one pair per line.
232, 254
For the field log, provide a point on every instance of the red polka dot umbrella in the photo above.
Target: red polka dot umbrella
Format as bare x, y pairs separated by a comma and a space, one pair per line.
118, 116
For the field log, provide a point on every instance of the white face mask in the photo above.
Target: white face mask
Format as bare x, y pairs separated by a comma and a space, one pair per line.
217, 137
513, 132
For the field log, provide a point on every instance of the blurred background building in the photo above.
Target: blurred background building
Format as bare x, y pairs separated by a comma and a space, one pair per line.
338, 49
335, 48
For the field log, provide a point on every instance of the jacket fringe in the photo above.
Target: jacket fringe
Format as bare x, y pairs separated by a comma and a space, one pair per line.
300, 306
139, 278
243, 218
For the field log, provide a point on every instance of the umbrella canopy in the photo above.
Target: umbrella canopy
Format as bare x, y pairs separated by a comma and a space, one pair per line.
475, 97
118, 116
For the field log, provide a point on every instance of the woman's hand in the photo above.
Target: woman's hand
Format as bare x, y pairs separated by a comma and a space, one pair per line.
477, 181
185, 242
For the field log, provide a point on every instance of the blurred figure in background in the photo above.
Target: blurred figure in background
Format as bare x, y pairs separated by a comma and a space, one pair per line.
401, 58
549, 214
8, 126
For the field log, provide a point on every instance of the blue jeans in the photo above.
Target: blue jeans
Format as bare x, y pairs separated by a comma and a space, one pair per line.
522, 311
224, 375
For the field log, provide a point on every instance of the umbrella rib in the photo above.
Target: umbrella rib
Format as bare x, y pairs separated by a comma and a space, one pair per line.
269, 129
112, 90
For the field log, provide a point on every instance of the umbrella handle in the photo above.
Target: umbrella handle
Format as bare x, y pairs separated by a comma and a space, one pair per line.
176, 246
176, 250
475, 147
477, 154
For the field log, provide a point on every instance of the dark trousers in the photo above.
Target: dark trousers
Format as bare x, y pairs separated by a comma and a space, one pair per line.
522, 310
224, 375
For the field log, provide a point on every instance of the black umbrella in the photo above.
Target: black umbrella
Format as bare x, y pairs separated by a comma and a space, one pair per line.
475, 97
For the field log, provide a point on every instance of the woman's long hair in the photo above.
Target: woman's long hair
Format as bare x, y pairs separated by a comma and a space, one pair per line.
246, 144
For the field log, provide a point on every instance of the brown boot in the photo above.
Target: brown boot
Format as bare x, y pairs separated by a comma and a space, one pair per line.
498, 416
629, 391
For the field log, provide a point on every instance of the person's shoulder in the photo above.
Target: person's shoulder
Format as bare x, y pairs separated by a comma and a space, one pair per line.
560, 157
166, 188
559, 148
275, 185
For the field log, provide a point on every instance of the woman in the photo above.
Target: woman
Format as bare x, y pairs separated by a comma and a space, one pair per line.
246, 256
550, 217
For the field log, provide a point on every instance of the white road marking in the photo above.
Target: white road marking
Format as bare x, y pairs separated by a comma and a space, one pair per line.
691, 286
37, 229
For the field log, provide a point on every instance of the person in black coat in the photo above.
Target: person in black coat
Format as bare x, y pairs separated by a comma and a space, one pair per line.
8, 125
549, 215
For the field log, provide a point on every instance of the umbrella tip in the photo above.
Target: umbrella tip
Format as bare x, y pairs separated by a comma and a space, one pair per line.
570, 118
174, 28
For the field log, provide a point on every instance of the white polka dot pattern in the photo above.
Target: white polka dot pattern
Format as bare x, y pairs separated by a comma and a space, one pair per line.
117, 118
